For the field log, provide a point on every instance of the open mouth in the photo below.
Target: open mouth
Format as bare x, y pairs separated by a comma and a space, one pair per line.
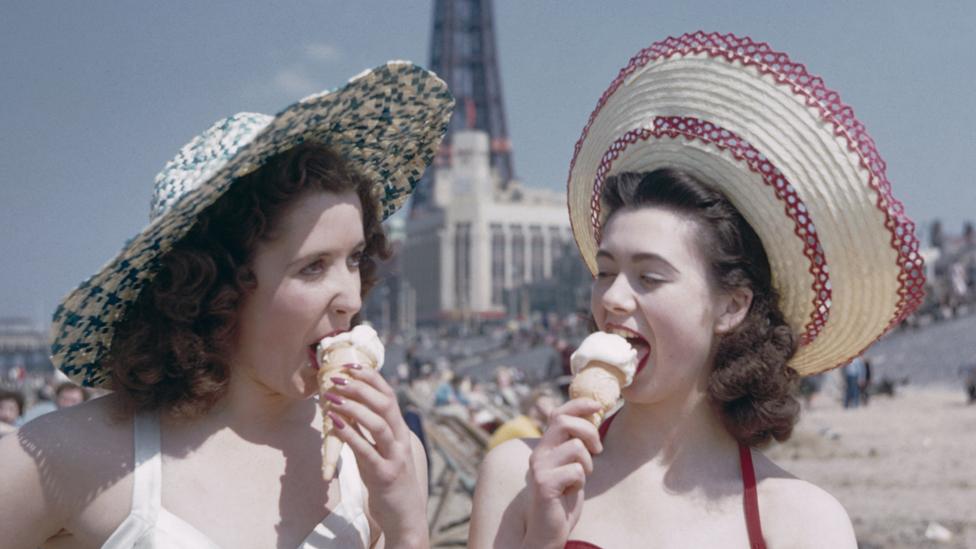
313, 349
636, 341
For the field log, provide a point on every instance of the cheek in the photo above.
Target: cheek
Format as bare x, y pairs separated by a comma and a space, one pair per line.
291, 303
279, 317
596, 304
680, 328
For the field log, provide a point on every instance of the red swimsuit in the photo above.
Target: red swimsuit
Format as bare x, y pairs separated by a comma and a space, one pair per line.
749, 499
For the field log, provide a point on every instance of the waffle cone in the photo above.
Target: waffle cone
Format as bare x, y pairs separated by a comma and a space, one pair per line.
600, 382
331, 361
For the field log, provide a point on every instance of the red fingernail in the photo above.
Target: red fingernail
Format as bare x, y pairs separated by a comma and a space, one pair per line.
336, 421
353, 366
333, 399
339, 380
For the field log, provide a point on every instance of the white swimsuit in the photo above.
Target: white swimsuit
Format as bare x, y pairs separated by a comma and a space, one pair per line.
150, 526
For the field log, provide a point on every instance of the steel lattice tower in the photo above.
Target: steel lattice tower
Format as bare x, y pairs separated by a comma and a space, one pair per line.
463, 53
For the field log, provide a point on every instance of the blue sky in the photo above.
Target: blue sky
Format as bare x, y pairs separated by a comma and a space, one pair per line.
96, 96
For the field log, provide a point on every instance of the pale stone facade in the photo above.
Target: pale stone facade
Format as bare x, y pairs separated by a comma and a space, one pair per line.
460, 260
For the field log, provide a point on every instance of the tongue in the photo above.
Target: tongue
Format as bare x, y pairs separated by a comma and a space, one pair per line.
639, 345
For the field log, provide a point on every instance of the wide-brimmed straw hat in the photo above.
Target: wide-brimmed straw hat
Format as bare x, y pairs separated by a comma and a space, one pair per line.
793, 159
387, 121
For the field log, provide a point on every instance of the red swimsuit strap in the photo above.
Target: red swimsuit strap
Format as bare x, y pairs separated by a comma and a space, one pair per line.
750, 500
605, 426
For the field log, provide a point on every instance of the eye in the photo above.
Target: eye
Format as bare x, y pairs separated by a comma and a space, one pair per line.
314, 268
650, 279
356, 259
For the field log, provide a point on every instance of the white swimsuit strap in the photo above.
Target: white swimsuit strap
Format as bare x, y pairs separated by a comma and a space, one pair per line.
350, 483
147, 476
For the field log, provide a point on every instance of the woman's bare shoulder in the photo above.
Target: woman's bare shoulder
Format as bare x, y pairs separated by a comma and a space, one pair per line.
497, 517
95, 427
82, 442
510, 459
502, 476
60, 462
798, 513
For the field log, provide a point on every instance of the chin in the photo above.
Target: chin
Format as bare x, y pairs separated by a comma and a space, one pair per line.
306, 386
309, 391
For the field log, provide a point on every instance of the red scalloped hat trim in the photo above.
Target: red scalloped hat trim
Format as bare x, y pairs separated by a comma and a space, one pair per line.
767, 61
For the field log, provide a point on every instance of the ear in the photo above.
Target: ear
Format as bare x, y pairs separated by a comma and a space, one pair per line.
733, 308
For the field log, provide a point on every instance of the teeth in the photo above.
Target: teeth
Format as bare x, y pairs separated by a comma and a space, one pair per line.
622, 333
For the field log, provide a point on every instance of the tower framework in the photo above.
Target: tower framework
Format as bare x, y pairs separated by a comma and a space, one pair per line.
463, 52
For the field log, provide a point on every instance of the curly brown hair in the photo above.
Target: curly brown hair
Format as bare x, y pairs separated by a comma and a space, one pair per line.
169, 352
751, 386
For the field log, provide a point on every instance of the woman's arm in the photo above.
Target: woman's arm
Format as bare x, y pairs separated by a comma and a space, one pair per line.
498, 509
532, 496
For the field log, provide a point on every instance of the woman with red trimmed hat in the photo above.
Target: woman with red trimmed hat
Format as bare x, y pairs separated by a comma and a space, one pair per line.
263, 240
741, 232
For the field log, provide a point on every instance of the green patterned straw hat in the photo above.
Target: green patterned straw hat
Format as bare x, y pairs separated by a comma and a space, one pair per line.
389, 121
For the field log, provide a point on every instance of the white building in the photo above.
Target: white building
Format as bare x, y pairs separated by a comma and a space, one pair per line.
459, 260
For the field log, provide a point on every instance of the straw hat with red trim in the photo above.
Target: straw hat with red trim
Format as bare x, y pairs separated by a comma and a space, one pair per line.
790, 155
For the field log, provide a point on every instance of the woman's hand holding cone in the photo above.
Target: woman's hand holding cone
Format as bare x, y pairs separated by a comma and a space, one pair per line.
368, 419
558, 468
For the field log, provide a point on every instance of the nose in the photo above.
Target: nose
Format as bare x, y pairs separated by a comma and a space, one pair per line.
347, 300
618, 297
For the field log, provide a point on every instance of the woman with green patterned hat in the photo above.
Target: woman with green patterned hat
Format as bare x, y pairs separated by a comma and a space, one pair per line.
263, 241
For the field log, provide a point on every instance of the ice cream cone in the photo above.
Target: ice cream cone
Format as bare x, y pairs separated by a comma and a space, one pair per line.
601, 382
603, 364
331, 361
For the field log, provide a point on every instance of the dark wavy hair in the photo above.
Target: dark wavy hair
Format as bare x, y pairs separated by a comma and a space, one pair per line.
169, 352
751, 386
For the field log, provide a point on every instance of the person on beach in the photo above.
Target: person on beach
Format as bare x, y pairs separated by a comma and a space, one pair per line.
854, 373
263, 239
531, 422
68, 394
11, 410
741, 233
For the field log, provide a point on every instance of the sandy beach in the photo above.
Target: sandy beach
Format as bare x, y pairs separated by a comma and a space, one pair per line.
898, 465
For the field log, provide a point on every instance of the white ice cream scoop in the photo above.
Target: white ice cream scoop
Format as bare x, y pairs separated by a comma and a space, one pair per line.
603, 364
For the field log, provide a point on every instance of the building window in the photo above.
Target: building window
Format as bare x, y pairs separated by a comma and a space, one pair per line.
555, 246
497, 264
518, 255
537, 247
462, 266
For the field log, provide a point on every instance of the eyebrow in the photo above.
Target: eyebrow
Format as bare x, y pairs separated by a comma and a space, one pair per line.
640, 257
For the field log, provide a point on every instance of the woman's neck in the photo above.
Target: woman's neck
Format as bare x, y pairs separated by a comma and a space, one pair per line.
256, 413
681, 436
